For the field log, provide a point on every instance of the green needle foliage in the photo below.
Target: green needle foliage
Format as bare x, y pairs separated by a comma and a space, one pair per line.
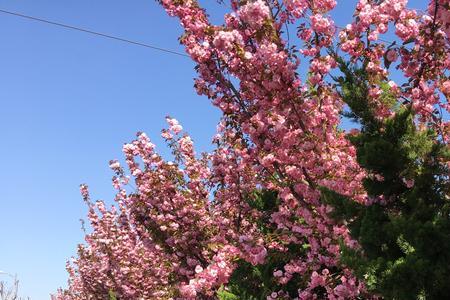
405, 239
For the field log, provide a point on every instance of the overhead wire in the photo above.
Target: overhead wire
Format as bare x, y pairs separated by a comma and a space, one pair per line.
109, 36
71, 27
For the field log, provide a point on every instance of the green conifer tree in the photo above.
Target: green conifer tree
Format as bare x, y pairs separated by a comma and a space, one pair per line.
405, 239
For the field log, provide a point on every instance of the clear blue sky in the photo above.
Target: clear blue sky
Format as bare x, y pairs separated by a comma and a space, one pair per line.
69, 101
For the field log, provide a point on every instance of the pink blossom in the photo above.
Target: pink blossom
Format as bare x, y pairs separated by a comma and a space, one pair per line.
254, 13
409, 183
391, 55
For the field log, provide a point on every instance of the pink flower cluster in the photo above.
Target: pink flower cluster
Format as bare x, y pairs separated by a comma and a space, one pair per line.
214, 275
167, 240
424, 55
254, 13
443, 14
179, 234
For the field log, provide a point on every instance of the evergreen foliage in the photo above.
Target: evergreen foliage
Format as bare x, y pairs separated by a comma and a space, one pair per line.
404, 239
300, 209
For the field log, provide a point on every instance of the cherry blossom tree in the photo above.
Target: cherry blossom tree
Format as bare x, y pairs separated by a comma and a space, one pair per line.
289, 205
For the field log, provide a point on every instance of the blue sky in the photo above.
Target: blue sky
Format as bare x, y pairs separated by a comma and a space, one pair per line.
69, 101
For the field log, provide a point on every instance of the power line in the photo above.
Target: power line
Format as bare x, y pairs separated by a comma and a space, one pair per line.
111, 36
92, 32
